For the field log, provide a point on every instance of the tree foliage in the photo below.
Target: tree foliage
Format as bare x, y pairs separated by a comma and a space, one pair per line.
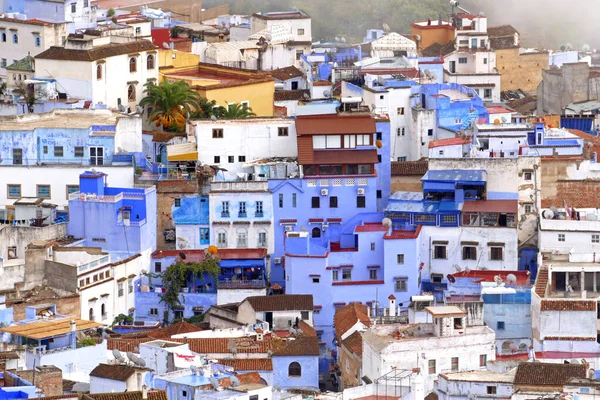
122, 319
177, 276
235, 110
172, 104
31, 94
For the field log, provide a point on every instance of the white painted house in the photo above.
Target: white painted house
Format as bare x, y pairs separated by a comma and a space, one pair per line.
22, 37
108, 70
475, 384
446, 344
108, 378
280, 311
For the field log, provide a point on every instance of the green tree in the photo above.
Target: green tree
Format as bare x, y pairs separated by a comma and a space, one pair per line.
31, 94
110, 12
122, 319
235, 110
172, 104
206, 109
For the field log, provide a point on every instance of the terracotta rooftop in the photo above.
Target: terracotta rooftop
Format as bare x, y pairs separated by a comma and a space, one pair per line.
152, 395
501, 206
548, 374
354, 343
281, 302
502, 37
449, 142
307, 329
249, 364
224, 345
96, 53
405, 168
291, 95
286, 73
300, 346
347, 316
114, 372
568, 305
436, 50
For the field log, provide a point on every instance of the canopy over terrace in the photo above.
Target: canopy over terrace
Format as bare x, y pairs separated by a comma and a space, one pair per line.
181, 162
49, 329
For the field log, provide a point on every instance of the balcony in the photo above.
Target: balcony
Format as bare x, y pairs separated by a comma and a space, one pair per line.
117, 159
259, 214
242, 214
240, 186
225, 215
242, 284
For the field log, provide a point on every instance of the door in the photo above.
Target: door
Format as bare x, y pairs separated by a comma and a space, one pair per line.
474, 43
452, 67
269, 319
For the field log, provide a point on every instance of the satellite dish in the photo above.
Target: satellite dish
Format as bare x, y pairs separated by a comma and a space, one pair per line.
511, 279
139, 110
569, 46
575, 361
562, 48
386, 27
234, 350
591, 217
386, 222
326, 93
306, 96
122, 108
548, 214
193, 369
496, 121
116, 353
182, 255
457, 267
235, 381
214, 382
586, 47
467, 270
503, 119
450, 278
141, 362
337, 39
343, 39
166, 45
514, 347
213, 117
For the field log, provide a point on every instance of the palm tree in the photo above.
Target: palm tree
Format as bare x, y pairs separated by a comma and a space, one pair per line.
172, 104
235, 110
206, 109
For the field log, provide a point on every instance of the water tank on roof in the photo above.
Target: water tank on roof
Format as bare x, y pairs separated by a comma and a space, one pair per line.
547, 214
591, 217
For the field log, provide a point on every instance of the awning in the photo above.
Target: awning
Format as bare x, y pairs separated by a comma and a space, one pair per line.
33, 82
241, 263
184, 359
182, 152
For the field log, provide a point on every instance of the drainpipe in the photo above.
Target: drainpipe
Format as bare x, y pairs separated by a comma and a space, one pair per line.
73, 334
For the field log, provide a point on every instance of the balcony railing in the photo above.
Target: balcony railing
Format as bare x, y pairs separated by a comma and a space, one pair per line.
95, 198
238, 284
242, 186
121, 159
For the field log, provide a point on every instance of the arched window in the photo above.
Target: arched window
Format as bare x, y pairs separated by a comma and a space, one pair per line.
150, 62
294, 370
14, 77
91, 316
99, 72
3, 37
316, 232
522, 347
19, 76
103, 310
506, 347
242, 238
16, 39
24, 77
132, 64
131, 93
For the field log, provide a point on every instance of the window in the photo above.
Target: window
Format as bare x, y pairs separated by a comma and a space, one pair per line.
43, 191
294, 200
16, 39
150, 62
373, 274
595, 238
230, 159
221, 239
333, 202
58, 151
439, 252
299, 53
527, 176
217, 133
335, 275
3, 63
400, 110
316, 280
485, 61
454, 364
280, 200
17, 156
400, 259
242, 238
78, 151
400, 285
217, 159
315, 202
431, 366
204, 236
177, 202
130, 285
73, 7
304, 315
483, 360
490, 389
157, 267
487, 93
4, 37
401, 158
259, 209
300, 32
527, 208
72, 189
97, 155
153, 311
262, 239
500, 325
561, 237
14, 191
316, 232
242, 209
183, 392
469, 253
131, 93
282, 131
372, 246
401, 131
120, 289
241, 158
429, 132
132, 64
361, 201
224, 209
12, 252
294, 370
462, 60
38, 41
346, 274
496, 253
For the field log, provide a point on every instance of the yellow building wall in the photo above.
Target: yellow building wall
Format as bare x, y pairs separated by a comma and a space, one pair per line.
520, 71
182, 59
259, 95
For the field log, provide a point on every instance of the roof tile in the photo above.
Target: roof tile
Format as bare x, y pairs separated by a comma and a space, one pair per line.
568, 305
291, 95
286, 73
114, 372
281, 302
548, 374
345, 317
354, 343
402, 168
96, 53
249, 364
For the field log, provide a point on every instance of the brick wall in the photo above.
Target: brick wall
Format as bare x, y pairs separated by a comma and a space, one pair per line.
579, 194
48, 379
65, 305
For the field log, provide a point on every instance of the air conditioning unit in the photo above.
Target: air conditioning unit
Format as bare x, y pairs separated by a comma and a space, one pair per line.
324, 192
288, 228
277, 260
361, 191
325, 226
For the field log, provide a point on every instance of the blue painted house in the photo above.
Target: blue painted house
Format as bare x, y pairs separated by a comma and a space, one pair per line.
297, 364
117, 219
191, 219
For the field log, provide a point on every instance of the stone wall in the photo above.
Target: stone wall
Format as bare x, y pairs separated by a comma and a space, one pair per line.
66, 305
167, 192
575, 181
520, 71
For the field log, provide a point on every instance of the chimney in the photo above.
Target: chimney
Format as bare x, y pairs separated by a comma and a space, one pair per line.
392, 299
144, 392
73, 334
